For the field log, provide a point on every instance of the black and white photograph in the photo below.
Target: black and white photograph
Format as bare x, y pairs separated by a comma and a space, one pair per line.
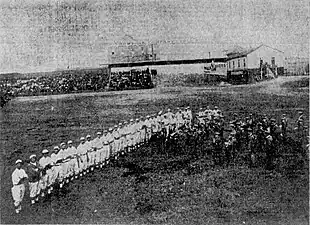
178, 112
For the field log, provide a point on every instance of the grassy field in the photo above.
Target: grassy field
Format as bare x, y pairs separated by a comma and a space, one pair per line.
167, 195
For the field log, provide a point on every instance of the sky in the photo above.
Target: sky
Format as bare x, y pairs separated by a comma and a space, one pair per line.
47, 35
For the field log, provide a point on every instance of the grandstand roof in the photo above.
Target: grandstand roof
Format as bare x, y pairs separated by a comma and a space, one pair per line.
164, 62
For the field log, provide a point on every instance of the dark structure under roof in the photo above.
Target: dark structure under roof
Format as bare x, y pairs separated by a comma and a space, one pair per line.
165, 62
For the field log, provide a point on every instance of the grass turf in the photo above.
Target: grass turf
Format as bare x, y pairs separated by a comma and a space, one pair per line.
167, 195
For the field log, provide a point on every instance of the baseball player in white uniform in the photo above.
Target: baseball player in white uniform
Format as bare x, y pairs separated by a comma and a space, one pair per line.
97, 143
72, 154
90, 153
82, 152
56, 167
18, 190
45, 163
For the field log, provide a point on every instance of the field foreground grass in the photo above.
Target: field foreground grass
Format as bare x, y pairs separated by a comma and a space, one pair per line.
166, 193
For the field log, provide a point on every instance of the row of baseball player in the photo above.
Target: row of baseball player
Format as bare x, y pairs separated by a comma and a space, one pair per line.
66, 162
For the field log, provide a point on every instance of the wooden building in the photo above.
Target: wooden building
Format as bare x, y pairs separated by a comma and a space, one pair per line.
255, 64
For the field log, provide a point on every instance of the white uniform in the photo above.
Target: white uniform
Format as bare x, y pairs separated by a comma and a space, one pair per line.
110, 140
142, 131
166, 123
55, 169
72, 167
179, 118
97, 143
137, 129
66, 163
122, 139
116, 145
61, 167
82, 151
169, 116
90, 153
189, 117
105, 152
159, 123
129, 138
148, 131
18, 189
153, 125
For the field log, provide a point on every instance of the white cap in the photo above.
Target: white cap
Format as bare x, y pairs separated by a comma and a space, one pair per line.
62, 144
70, 142
82, 139
56, 147
99, 133
110, 129
88, 136
169, 110
131, 120
18, 161
32, 156
45, 151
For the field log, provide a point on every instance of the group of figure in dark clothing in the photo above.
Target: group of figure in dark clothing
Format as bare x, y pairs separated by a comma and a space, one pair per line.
254, 140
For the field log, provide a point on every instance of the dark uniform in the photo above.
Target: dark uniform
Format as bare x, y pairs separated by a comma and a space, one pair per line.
284, 123
33, 171
217, 150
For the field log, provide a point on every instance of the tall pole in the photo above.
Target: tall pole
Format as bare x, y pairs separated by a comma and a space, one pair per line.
152, 52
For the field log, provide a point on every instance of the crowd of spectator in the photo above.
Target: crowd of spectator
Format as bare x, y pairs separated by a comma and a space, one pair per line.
74, 82
134, 79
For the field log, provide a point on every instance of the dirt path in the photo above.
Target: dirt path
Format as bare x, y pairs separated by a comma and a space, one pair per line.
276, 86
